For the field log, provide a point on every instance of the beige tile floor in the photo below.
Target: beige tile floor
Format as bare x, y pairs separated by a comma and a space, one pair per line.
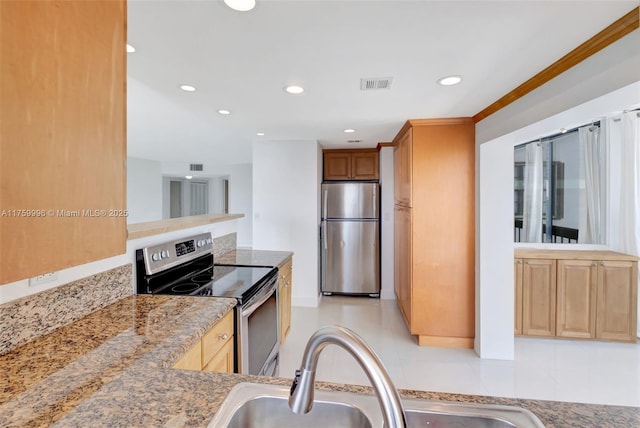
562, 370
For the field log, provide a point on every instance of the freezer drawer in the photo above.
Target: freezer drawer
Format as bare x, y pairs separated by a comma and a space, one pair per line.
351, 257
350, 201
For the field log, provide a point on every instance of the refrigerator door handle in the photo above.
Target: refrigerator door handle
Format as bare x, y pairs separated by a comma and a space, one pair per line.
324, 204
324, 234
375, 193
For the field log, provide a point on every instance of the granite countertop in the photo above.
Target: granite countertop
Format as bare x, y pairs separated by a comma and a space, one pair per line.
248, 257
112, 368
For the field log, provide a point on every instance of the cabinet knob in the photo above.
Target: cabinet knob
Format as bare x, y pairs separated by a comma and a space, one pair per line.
223, 336
593, 264
601, 263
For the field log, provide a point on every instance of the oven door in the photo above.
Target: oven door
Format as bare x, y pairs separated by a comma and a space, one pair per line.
259, 332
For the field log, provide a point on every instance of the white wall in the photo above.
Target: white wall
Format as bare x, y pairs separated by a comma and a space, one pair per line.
241, 200
386, 214
144, 190
494, 248
286, 209
15, 290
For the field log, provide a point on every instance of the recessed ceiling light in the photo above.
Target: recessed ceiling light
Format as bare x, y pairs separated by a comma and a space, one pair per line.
563, 130
188, 177
349, 130
225, 112
293, 89
241, 5
188, 88
130, 49
260, 134
450, 80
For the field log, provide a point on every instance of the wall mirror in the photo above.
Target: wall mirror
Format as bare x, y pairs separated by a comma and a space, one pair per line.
559, 188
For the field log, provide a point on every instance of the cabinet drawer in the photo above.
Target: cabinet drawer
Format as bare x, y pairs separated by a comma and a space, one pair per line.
217, 337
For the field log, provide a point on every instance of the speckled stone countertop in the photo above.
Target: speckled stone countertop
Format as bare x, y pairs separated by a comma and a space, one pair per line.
111, 369
248, 257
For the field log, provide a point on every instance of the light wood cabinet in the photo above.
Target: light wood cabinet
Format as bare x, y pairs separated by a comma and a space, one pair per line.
576, 288
539, 297
403, 169
351, 164
517, 269
214, 351
284, 290
402, 260
434, 163
595, 294
617, 310
63, 135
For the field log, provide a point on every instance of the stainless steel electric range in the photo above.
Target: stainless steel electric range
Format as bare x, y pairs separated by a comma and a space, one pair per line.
186, 267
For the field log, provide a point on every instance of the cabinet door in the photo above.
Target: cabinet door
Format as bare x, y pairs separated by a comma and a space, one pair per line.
364, 165
403, 169
617, 300
517, 270
192, 360
403, 261
217, 337
539, 297
284, 287
63, 134
222, 361
337, 165
576, 299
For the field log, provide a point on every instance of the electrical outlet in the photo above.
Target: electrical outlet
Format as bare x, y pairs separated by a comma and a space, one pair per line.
43, 279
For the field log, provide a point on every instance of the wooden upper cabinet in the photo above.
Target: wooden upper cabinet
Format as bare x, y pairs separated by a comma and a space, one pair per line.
351, 164
63, 134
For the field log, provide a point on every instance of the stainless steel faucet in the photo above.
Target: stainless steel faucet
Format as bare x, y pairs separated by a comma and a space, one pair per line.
301, 395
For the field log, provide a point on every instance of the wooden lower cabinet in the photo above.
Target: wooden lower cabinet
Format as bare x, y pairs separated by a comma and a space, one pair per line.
539, 298
214, 352
517, 269
616, 315
576, 294
284, 290
576, 303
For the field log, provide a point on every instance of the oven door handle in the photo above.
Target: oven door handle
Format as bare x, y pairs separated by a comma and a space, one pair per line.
259, 299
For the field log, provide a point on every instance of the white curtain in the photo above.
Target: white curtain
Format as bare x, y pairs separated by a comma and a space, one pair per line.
591, 172
532, 209
630, 184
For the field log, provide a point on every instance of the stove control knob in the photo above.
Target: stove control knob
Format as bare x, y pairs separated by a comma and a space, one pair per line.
201, 243
208, 241
156, 257
164, 254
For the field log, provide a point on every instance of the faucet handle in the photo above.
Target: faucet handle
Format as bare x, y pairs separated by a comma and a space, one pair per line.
296, 381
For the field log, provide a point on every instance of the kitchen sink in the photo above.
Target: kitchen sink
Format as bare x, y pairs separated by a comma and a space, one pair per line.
261, 405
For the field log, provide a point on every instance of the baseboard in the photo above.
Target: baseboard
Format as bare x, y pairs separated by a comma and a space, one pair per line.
446, 342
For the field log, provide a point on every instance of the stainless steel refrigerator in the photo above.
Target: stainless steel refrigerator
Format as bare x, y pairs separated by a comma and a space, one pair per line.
350, 238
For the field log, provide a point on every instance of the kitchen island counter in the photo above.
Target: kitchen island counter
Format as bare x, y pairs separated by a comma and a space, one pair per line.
112, 368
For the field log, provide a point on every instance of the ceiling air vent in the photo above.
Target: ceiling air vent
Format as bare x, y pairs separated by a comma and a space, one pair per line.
196, 167
372, 83
354, 141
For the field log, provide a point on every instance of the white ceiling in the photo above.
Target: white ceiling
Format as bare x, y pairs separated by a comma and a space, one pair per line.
241, 61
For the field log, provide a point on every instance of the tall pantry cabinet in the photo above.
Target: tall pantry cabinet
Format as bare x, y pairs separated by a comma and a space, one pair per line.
434, 162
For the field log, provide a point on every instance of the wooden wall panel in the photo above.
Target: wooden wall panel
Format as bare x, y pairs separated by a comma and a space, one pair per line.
63, 136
